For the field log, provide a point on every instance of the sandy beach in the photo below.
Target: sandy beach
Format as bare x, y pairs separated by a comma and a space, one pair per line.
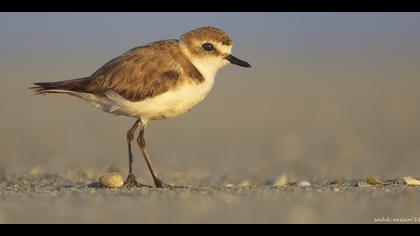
77, 198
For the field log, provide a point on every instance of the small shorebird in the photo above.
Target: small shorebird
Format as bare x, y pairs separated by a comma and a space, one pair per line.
159, 80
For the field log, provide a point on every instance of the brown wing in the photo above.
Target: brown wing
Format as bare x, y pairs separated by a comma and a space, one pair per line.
137, 74
144, 72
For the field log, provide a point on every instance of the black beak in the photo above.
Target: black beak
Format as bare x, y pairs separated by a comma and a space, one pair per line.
236, 61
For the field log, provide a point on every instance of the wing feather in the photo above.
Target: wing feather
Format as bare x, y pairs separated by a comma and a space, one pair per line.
143, 72
138, 74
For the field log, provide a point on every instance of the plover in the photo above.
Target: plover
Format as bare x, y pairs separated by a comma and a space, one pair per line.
159, 80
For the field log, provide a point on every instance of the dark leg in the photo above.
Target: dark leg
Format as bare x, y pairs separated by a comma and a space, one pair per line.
131, 179
142, 144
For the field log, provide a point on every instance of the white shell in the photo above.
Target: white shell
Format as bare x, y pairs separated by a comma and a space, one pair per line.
112, 180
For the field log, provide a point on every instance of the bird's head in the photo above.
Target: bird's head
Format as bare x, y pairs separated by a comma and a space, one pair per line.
209, 49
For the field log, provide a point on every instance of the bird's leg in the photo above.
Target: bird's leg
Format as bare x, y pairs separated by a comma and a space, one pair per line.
131, 179
142, 144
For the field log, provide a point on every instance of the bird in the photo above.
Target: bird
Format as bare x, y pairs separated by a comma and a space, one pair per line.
159, 80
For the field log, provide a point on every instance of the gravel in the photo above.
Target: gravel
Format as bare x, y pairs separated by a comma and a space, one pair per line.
76, 197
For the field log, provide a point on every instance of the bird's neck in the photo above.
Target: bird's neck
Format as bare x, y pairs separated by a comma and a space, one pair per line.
207, 67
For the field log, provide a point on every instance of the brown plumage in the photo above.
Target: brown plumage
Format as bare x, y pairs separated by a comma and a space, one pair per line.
163, 61
208, 33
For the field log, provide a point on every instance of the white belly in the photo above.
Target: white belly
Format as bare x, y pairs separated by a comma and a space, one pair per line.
166, 105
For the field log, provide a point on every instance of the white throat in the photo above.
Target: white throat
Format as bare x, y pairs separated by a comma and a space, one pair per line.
208, 67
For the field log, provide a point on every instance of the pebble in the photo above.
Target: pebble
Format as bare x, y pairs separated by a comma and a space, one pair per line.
112, 180
35, 171
411, 181
374, 181
304, 184
229, 185
245, 183
362, 184
281, 181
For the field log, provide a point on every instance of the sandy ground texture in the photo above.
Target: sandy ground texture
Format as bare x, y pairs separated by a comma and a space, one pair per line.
76, 197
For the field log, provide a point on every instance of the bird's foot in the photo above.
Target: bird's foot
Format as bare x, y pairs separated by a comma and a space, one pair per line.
160, 184
131, 182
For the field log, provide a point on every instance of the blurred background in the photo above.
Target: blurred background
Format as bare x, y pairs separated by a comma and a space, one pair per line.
330, 95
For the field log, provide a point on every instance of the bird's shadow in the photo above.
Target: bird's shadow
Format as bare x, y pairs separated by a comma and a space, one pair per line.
94, 185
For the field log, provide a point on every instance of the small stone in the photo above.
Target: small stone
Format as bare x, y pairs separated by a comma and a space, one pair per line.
304, 184
229, 185
362, 184
112, 180
244, 183
374, 181
337, 182
411, 181
281, 181
35, 171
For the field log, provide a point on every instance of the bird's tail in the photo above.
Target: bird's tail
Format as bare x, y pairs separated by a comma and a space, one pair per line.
65, 86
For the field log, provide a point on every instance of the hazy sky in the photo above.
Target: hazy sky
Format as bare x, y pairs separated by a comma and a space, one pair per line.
72, 40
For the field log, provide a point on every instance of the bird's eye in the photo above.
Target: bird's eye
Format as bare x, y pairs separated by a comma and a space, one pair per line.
208, 47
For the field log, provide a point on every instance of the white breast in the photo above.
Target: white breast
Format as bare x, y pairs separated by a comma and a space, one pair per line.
166, 105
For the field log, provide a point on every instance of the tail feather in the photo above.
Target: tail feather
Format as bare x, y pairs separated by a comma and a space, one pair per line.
65, 86
42, 88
